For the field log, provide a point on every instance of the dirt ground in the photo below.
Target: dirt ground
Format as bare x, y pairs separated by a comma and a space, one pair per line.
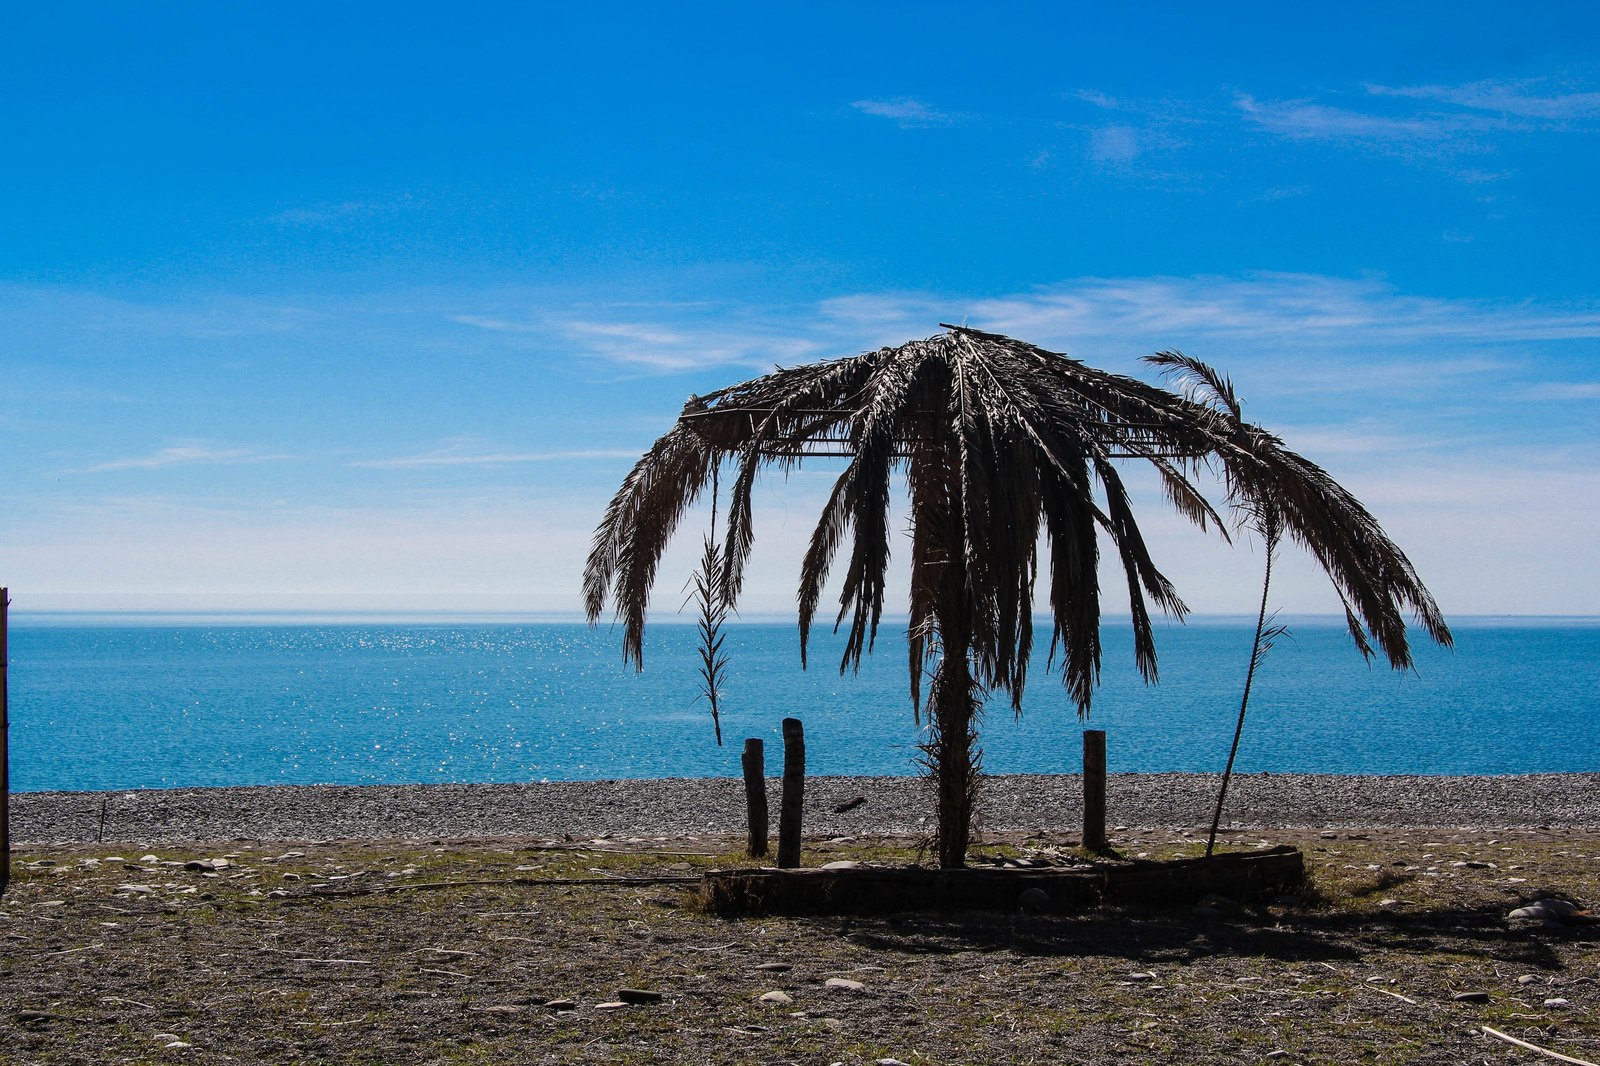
337, 953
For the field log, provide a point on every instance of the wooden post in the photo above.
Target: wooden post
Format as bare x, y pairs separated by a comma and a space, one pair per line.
5, 747
794, 788
755, 797
1094, 789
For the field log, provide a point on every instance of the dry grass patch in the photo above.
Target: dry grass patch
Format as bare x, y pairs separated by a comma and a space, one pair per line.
107, 956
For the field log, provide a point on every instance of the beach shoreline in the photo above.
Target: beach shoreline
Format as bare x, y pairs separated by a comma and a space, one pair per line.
715, 806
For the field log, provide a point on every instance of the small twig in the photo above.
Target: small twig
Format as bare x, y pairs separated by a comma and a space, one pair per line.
447, 973
1535, 1047
335, 962
510, 914
532, 882
1396, 995
69, 951
129, 1002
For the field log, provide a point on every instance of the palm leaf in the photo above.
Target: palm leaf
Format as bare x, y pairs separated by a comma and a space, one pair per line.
1002, 444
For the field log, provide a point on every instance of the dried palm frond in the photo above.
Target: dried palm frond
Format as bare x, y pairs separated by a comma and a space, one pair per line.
999, 442
708, 589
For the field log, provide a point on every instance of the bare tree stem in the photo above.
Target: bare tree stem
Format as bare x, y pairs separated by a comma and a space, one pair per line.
1244, 701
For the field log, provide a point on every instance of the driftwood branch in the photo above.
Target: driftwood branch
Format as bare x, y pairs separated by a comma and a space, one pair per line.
1535, 1047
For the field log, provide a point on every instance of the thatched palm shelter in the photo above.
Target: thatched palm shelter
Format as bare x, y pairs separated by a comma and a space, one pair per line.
999, 441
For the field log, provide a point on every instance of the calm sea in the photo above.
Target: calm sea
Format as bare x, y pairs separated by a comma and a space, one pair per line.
97, 703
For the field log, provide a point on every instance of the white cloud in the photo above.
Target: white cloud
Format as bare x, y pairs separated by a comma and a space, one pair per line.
690, 344
1418, 403
1282, 192
313, 216
337, 214
1563, 390
1263, 307
661, 336
1099, 99
1306, 120
458, 456
1428, 123
1518, 99
1356, 440
185, 455
495, 325
907, 111
461, 544
1114, 144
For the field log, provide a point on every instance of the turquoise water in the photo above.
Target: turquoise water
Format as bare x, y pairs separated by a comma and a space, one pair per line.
103, 705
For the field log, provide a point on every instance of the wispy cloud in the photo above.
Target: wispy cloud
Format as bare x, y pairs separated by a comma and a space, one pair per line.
1099, 99
1563, 390
1309, 120
1309, 308
747, 337
1358, 440
212, 316
657, 336
1519, 99
460, 454
1428, 123
1137, 131
1433, 125
1282, 192
495, 325
1160, 110
1114, 144
186, 455
336, 214
906, 110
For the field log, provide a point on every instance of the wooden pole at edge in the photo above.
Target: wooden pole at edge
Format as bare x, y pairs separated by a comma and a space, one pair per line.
754, 762
5, 745
794, 788
1094, 789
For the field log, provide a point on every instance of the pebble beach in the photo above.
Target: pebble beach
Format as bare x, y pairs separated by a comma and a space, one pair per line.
894, 805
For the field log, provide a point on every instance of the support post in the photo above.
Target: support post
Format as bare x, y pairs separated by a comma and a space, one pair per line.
5, 744
794, 787
754, 761
1094, 789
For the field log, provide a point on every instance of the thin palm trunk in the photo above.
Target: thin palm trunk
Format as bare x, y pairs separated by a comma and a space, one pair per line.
952, 757
1257, 649
953, 760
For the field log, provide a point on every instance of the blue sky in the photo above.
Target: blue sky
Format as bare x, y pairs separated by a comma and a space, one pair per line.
370, 303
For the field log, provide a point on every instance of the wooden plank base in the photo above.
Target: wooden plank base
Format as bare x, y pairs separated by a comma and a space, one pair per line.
1251, 875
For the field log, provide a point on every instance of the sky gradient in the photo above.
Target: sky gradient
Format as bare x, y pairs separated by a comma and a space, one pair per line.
378, 303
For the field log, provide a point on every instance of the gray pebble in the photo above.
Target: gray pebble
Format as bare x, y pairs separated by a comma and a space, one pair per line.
588, 809
1033, 899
